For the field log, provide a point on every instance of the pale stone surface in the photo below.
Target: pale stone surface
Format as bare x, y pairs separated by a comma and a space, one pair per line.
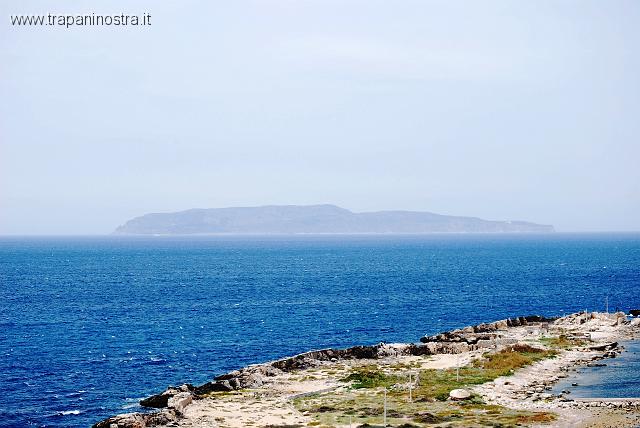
460, 394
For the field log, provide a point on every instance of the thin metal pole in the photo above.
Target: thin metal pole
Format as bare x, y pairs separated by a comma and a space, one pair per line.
385, 408
410, 386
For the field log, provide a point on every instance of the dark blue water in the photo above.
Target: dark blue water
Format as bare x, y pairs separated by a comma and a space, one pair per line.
89, 325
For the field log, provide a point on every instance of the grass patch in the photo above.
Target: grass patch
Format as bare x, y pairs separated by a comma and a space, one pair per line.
436, 384
221, 394
308, 378
366, 407
369, 377
362, 402
407, 365
503, 363
536, 418
562, 342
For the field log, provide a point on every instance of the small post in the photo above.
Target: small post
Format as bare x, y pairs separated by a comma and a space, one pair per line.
410, 387
384, 417
349, 421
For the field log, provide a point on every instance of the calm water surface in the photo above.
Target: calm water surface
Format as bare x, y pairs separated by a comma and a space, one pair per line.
90, 325
620, 378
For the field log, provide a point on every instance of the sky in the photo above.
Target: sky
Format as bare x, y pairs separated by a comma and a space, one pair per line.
504, 110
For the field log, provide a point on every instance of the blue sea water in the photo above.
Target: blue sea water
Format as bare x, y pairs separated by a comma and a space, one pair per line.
620, 378
90, 325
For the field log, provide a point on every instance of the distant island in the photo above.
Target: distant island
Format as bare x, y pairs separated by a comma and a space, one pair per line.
330, 219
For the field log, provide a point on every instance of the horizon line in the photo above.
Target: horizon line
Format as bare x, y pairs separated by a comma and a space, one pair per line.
381, 234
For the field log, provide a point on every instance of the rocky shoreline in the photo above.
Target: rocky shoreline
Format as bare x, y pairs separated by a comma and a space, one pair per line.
594, 335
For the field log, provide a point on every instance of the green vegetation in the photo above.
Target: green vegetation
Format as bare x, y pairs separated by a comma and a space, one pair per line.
436, 384
369, 377
406, 366
362, 402
506, 361
562, 342
221, 394
365, 408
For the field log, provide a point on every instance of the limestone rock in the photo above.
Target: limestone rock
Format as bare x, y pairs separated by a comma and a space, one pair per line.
180, 401
139, 420
460, 394
159, 400
127, 420
604, 347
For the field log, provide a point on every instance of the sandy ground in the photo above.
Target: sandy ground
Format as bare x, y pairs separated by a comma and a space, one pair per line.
272, 405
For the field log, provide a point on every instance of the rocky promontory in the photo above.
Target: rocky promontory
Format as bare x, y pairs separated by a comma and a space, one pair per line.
508, 364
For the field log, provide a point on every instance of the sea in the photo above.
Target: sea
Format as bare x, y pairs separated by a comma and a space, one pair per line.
611, 378
89, 325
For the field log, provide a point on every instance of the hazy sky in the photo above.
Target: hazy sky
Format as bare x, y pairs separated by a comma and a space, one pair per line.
496, 109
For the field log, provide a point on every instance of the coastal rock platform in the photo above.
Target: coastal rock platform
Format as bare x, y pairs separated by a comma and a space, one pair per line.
507, 367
